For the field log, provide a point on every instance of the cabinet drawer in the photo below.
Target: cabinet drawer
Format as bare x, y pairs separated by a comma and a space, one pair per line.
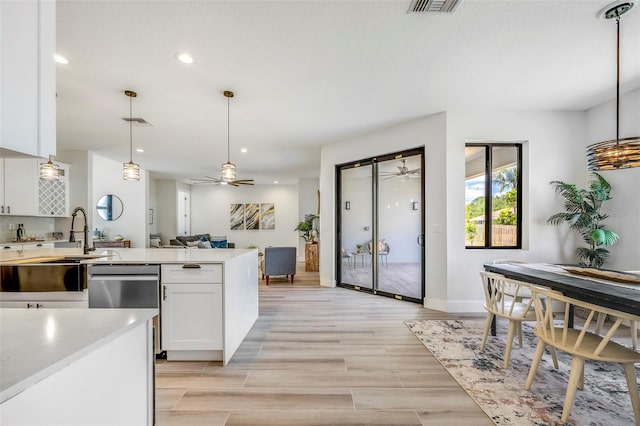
193, 273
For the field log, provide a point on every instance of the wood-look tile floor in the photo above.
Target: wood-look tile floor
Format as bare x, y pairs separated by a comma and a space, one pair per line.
319, 356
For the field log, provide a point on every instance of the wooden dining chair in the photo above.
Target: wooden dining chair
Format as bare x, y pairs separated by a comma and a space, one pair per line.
503, 299
582, 344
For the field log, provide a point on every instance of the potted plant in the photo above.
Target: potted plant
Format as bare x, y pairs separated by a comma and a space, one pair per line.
308, 229
358, 248
583, 213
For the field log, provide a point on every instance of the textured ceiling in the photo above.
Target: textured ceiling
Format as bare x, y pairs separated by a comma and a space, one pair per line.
308, 73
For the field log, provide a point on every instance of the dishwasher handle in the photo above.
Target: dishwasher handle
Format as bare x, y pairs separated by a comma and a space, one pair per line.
123, 277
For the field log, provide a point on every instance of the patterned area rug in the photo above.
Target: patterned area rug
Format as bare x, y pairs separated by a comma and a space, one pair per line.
500, 393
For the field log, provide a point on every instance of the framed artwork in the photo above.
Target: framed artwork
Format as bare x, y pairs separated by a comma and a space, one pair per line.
267, 216
252, 216
236, 216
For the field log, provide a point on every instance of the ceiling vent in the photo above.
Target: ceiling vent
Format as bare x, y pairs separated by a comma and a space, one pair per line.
137, 120
433, 6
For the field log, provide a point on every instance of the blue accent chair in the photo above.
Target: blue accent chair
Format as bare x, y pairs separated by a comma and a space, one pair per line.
279, 261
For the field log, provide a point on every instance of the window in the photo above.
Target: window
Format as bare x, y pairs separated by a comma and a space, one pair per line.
493, 195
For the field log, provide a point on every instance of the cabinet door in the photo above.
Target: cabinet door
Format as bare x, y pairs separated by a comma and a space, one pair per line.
53, 195
27, 76
191, 316
21, 186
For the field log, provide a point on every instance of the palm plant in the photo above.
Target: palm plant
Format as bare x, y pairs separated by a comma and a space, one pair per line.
309, 231
583, 213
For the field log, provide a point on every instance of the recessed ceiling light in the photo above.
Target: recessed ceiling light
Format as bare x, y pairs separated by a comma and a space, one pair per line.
139, 150
223, 183
275, 181
185, 58
60, 59
243, 150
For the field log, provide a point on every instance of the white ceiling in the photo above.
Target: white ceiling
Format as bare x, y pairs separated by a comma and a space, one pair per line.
309, 73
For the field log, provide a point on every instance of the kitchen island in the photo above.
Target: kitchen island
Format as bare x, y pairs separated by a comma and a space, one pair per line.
74, 366
208, 298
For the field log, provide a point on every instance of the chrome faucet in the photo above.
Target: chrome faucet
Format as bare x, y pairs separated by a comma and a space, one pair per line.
72, 238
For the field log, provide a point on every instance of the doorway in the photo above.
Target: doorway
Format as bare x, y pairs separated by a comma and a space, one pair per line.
380, 225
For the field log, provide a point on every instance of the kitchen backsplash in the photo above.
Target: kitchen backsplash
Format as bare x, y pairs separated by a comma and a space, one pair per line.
35, 227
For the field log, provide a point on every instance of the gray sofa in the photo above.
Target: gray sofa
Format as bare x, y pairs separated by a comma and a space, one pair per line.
201, 241
279, 261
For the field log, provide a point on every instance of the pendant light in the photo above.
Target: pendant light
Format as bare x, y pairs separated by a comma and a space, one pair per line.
617, 153
228, 170
49, 170
130, 170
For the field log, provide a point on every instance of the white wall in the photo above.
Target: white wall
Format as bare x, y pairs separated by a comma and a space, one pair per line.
553, 150
80, 185
210, 213
624, 208
107, 179
429, 132
152, 203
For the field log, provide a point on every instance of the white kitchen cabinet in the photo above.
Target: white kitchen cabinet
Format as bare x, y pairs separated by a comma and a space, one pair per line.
4, 304
191, 311
20, 187
28, 77
45, 300
191, 317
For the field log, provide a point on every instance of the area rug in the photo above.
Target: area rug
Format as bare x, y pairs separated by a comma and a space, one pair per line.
500, 392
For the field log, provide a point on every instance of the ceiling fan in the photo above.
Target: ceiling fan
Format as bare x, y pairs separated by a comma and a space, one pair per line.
228, 169
403, 171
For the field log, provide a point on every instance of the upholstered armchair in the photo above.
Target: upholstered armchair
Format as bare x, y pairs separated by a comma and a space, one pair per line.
279, 261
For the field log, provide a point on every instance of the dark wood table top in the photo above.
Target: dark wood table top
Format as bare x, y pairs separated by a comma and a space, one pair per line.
625, 298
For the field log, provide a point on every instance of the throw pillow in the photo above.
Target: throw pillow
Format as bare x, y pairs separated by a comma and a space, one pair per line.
154, 242
193, 243
219, 244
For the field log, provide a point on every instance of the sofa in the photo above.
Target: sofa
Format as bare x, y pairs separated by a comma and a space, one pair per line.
203, 241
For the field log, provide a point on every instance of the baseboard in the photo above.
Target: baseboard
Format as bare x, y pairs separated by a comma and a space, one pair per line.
456, 306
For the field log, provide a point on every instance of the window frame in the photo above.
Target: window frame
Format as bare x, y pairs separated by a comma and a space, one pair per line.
488, 195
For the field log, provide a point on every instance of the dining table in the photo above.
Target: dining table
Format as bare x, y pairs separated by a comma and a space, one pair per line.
624, 297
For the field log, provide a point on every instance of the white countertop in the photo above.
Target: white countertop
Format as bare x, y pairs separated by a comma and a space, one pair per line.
134, 255
35, 343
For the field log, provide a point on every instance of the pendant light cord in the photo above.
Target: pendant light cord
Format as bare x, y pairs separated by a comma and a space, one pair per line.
228, 137
130, 131
618, 82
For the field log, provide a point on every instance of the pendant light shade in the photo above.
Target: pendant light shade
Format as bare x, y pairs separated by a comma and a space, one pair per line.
49, 170
616, 153
130, 170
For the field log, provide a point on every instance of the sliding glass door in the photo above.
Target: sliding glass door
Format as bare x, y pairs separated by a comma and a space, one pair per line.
380, 225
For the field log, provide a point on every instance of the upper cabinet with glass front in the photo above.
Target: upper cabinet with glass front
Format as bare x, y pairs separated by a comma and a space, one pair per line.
28, 77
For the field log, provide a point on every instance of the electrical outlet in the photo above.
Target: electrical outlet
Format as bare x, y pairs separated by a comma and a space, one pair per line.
51, 228
12, 227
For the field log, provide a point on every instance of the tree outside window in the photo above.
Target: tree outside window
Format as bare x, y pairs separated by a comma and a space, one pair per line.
492, 195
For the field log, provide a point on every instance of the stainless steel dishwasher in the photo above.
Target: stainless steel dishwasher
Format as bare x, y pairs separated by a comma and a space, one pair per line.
123, 286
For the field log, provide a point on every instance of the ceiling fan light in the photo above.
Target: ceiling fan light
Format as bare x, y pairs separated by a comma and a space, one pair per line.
131, 171
228, 172
49, 171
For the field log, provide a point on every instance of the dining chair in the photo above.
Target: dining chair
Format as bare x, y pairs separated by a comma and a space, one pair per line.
633, 326
346, 255
582, 344
503, 299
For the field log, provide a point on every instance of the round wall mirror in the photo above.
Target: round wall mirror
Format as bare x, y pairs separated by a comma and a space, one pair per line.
109, 207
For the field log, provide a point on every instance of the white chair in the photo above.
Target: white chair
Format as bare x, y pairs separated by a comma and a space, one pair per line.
581, 345
346, 255
503, 300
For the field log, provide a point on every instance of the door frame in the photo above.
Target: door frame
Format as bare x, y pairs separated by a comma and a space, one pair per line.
373, 161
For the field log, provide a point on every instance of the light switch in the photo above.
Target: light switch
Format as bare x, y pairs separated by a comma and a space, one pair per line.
437, 228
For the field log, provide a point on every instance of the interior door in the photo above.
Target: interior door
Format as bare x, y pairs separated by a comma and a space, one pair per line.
356, 218
399, 251
380, 228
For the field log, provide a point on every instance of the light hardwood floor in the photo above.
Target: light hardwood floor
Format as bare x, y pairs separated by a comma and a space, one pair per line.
319, 356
